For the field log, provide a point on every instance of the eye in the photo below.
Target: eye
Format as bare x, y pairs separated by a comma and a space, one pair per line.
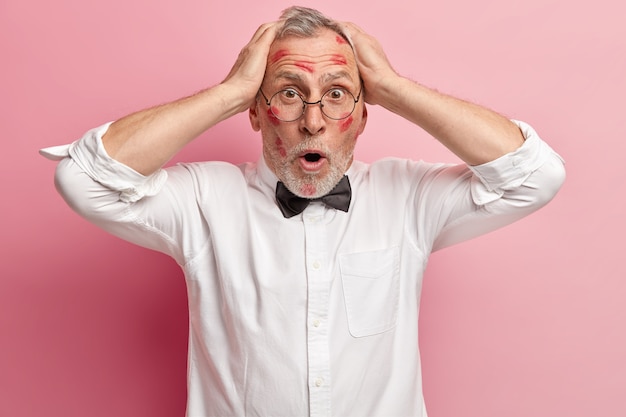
336, 94
289, 94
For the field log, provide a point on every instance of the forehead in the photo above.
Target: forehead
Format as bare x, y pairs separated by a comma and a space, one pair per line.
325, 56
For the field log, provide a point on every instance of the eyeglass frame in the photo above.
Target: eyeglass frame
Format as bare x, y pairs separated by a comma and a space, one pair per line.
307, 103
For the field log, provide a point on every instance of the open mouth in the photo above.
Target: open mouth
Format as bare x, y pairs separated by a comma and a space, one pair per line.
312, 161
312, 157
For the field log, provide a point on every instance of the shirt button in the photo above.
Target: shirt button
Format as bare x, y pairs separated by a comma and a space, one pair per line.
316, 265
316, 323
319, 382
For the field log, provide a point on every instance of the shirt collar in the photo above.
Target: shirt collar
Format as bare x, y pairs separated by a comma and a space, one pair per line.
266, 175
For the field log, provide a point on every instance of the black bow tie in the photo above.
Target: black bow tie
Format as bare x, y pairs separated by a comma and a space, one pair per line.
290, 204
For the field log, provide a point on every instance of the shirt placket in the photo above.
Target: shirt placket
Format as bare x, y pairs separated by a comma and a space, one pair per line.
318, 284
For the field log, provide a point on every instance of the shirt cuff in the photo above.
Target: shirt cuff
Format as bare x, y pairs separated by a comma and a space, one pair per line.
508, 172
90, 155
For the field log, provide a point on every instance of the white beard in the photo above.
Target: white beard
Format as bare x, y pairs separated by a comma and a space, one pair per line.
338, 163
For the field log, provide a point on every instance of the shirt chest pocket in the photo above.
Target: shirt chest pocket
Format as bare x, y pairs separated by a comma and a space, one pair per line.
371, 288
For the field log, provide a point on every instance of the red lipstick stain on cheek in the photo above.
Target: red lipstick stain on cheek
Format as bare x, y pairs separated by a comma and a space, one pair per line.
280, 148
273, 119
345, 124
308, 189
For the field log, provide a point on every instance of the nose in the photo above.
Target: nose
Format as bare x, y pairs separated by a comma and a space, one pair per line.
313, 121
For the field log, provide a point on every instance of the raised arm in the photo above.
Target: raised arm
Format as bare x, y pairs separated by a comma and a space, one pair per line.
147, 139
475, 134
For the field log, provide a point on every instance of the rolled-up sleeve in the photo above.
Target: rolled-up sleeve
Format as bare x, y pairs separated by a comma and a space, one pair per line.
89, 154
150, 211
458, 203
508, 172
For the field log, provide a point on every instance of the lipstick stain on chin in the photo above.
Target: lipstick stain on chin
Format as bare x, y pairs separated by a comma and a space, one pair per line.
280, 148
345, 124
308, 189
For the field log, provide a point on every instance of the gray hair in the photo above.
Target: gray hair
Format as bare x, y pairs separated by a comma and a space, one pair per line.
304, 22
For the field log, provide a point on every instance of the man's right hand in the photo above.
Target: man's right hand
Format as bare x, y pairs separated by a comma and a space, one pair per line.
247, 73
147, 139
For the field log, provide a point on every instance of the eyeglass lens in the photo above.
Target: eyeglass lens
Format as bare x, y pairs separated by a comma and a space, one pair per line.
337, 103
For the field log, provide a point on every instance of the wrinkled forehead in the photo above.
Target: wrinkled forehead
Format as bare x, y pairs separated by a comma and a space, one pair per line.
327, 49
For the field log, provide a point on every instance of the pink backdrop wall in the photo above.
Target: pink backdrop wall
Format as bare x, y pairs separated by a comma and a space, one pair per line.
527, 321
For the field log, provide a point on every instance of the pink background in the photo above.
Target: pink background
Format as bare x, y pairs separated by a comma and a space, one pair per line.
527, 321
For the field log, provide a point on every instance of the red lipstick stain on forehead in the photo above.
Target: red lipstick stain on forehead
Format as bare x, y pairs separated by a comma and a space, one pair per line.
305, 65
278, 55
339, 59
340, 40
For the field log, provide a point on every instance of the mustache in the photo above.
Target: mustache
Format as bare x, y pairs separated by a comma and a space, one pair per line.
310, 142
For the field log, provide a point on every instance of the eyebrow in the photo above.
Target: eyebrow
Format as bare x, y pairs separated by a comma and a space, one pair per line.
335, 75
324, 78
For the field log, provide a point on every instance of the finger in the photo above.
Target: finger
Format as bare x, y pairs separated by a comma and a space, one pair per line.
268, 29
351, 29
351, 26
260, 31
347, 30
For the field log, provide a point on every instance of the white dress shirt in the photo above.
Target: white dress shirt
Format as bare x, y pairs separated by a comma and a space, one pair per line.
315, 315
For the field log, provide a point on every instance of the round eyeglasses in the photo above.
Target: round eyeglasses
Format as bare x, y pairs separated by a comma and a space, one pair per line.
288, 105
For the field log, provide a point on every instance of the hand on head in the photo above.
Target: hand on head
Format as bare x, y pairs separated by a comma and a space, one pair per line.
374, 67
249, 69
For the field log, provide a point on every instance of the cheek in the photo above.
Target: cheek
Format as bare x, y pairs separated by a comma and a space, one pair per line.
280, 148
344, 125
270, 115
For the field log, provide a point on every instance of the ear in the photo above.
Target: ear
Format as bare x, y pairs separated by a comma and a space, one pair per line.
254, 116
363, 120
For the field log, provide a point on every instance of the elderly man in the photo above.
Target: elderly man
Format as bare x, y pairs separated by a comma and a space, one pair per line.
304, 269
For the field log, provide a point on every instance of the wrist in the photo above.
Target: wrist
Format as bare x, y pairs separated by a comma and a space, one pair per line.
233, 99
387, 91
